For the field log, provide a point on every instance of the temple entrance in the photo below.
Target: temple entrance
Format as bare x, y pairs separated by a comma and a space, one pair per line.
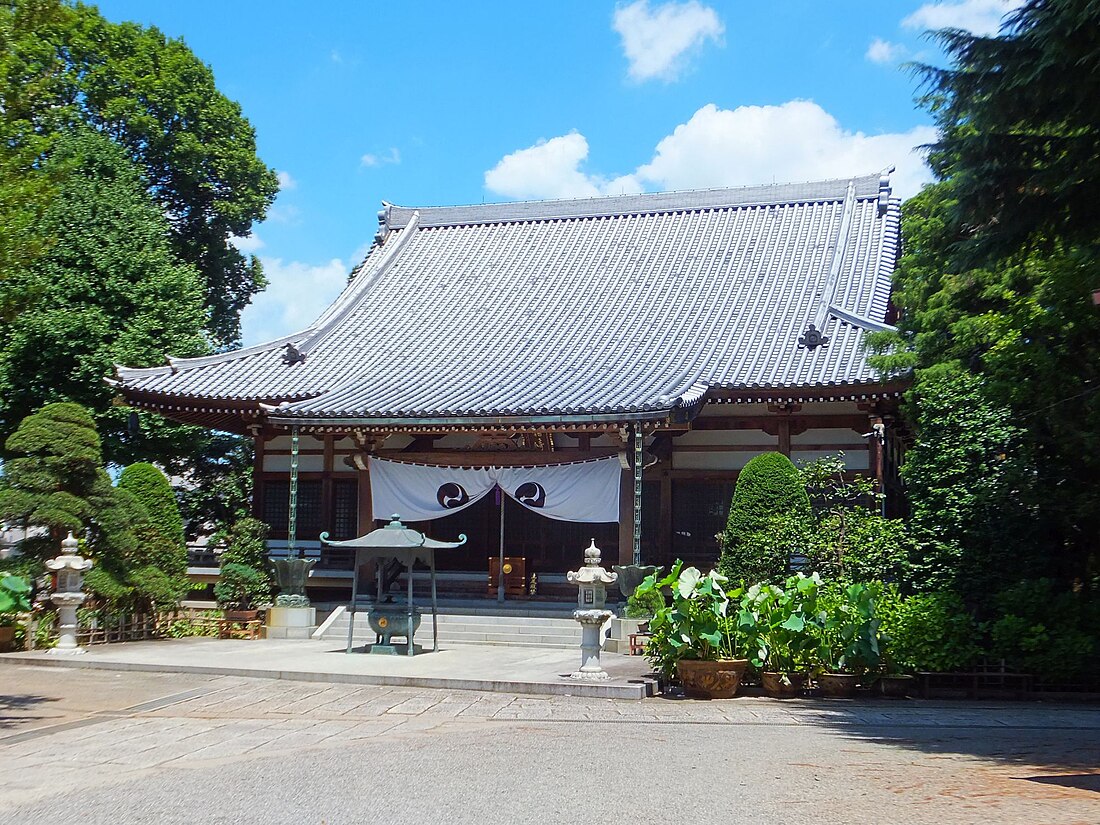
549, 545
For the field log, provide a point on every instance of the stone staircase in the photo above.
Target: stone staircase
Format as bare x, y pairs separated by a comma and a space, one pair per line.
527, 627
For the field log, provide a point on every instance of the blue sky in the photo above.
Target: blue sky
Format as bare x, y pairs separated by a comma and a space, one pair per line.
443, 102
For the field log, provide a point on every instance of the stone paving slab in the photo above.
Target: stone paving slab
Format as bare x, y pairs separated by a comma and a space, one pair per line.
239, 741
469, 667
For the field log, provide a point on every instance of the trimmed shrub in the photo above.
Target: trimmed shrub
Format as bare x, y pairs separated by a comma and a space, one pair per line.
241, 587
244, 544
644, 604
767, 487
766, 555
163, 545
929, 631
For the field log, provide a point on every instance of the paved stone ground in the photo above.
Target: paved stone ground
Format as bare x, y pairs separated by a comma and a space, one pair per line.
101, 747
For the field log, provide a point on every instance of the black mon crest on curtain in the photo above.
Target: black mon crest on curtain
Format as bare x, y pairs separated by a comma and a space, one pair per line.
586, 491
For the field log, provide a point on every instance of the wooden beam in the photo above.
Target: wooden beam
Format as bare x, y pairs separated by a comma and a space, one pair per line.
498, 458
326, 485
805, 422
664, 522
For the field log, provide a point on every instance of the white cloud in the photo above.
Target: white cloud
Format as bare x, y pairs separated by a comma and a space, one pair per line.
883, 51
550, 169
657, 42
369, 160
286, 182
981, 17
247, 244
796, 141
297, 293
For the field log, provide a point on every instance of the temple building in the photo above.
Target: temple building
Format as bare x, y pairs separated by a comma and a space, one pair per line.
555, 371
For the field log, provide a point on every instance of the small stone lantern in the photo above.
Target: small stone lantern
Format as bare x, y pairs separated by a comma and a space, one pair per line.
592, 581
70, 568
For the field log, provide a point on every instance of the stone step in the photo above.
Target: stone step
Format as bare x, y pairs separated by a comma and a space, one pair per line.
475, 628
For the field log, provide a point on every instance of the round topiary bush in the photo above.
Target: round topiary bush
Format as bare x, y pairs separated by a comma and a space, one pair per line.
164, 546
768, 489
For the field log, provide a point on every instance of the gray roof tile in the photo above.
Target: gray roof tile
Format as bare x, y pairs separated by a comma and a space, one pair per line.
598, 306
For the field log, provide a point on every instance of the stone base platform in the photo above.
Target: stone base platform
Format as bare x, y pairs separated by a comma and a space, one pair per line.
466, 667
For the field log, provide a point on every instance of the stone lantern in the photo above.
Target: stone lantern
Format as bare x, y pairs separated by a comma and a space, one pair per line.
592, 581
70, 568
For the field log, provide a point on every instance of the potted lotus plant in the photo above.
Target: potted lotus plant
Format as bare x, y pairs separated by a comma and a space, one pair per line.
697, 636
850, 638
14, 599
786, 626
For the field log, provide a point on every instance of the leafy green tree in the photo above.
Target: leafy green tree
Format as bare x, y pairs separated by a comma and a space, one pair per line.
109, 289
1020, 131
768, 486
65, 66
164, 547
217, 485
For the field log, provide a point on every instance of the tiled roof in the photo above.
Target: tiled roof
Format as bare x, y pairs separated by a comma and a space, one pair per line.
582, 307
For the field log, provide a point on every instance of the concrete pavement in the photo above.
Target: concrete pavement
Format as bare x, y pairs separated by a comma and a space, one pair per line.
236, 750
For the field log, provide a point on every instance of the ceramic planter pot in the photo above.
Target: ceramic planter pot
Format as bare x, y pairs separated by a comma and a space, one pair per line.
711, 680
897, 686
777, 687
838, 685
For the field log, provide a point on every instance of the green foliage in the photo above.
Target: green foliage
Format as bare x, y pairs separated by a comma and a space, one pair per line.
244, 543
1019, 135
1001, 256
783, 624
218, 487
14, 594
645, 604
768, 486
164, 546
109, 289
928, 631
862, 546
109, 587
701, 622
55, 480
969, 477
63, 67
850, 628
1043, 629
241, 587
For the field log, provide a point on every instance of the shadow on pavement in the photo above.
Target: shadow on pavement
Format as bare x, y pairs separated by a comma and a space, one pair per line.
15, 709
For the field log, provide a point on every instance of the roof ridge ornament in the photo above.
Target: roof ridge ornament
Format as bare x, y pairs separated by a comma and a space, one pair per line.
884, 190
293, 355
812, 339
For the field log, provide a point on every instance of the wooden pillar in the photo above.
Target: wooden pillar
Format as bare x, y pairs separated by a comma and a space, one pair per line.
875, 452
366, 519
626, 517
785, 436
258, 476
326, 486
664, 522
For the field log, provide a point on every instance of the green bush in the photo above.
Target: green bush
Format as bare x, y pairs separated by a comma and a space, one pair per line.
766, 555
163, 544
241, 587
1045, 630
861, 546
244, 543
109, 586
644, 604
928, 631
768, 486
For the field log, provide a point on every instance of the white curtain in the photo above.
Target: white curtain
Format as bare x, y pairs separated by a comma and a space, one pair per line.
586, 491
